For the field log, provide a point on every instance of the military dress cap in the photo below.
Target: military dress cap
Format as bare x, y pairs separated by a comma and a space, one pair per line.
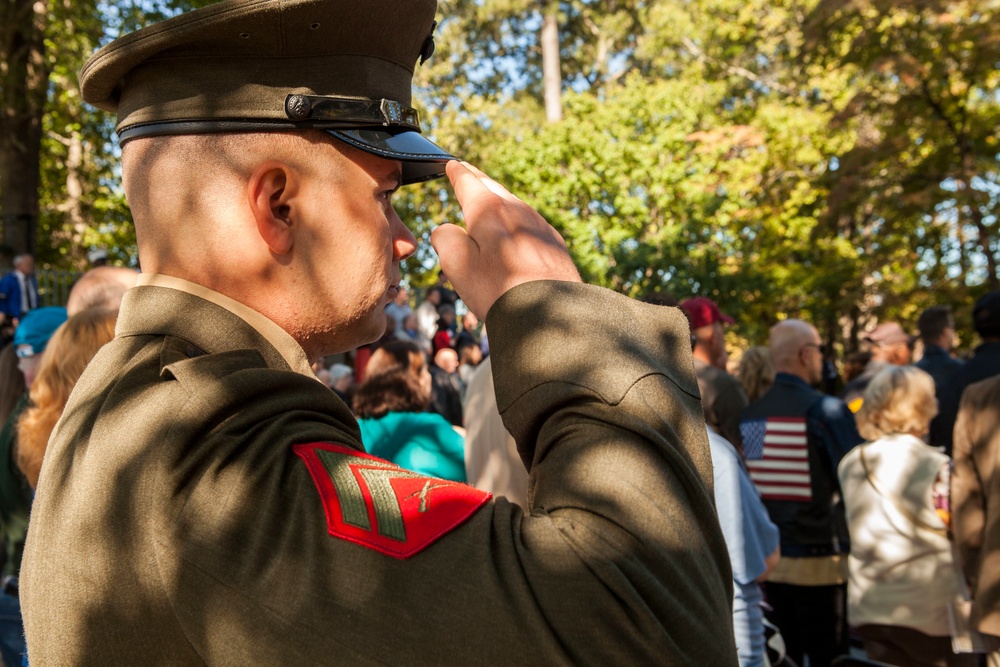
276, 65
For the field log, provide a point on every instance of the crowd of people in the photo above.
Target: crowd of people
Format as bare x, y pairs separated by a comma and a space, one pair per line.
870, 511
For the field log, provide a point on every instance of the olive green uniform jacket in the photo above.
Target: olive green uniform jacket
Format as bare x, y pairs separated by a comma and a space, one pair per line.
185, 515
975, 500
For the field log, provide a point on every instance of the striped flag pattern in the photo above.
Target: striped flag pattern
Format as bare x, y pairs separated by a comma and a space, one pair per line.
777, 457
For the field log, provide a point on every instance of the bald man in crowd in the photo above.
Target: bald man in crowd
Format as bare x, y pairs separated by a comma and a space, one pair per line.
793, 439
101, 287
206, 500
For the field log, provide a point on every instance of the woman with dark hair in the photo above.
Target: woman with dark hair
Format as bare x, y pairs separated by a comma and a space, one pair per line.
391, 407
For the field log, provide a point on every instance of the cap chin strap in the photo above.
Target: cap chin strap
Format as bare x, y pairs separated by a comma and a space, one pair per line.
303, 112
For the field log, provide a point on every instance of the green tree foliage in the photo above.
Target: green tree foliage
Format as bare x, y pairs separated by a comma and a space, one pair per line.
834, 160
784, 158
78, 202
921, 181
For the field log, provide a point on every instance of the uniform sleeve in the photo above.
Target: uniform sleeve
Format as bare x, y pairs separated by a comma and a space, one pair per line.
618, 558
599, 392
968, 501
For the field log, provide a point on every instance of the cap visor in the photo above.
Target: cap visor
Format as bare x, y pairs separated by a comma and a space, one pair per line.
422, 159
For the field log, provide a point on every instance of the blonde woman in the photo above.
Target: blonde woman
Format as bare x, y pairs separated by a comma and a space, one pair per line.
69, 351
756, 372
901, 573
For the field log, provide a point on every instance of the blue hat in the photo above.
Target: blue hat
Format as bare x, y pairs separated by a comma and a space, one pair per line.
36, 328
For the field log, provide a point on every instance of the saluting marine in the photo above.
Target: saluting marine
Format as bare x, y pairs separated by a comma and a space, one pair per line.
206, 500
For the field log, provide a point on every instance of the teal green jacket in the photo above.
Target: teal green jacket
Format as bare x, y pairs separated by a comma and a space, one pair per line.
424, 442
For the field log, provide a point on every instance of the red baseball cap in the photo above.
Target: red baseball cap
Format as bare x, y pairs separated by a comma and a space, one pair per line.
702, 311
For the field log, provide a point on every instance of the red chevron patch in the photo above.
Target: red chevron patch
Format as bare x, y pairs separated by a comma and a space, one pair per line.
377, 504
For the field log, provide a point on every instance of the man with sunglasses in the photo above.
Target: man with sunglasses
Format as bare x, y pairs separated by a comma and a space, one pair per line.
793, 439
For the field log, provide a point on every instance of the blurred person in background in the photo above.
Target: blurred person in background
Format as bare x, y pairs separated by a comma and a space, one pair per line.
985, 363
30, 342
12, 385
756, 372
793, 439
889, 345
101, 287
447, 328
722, 395
19, 290
492, 462
97, 257
469, 331
342, 382
69, 351
427, 314
901, 573
975, 512
446, 388
854, 365
443, 285
399, 308
32, 337
391, 407
937, 333
411, 332
469, 357
753, 543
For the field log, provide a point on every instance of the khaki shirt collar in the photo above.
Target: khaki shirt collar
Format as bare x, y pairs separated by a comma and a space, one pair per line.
292, 353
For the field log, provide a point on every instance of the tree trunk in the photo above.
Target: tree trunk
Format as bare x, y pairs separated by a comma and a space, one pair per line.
551, 74
976, 214
23, 82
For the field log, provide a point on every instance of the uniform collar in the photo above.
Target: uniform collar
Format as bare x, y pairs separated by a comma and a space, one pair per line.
160, 312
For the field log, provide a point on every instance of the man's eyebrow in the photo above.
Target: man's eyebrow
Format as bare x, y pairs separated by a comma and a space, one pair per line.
395, 178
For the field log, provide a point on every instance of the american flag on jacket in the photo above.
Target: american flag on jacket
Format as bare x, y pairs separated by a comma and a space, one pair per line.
778, 458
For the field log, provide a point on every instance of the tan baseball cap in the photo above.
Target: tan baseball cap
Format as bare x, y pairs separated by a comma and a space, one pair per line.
341, 66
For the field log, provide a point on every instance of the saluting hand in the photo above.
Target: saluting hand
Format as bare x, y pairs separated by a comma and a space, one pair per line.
505, 242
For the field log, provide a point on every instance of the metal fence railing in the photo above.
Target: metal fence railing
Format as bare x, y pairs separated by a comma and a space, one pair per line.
53, 286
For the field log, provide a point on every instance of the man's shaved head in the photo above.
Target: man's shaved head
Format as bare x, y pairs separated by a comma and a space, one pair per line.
261, 216
183, 161
102, 287
796, 349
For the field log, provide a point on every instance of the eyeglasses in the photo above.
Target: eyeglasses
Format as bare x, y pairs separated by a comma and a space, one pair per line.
821, 348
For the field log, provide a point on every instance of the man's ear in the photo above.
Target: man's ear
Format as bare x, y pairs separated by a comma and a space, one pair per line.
271, 192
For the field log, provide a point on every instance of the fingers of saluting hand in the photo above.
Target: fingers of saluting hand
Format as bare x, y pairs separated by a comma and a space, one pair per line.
505, 243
